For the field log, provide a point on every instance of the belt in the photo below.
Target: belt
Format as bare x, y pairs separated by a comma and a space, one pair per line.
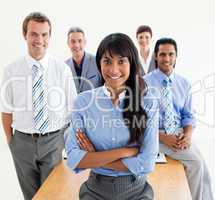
36, 135
119, 179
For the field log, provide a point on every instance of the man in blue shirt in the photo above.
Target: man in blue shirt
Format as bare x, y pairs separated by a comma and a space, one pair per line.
176, 119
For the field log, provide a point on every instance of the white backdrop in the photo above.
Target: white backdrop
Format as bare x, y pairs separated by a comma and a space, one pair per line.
190, 23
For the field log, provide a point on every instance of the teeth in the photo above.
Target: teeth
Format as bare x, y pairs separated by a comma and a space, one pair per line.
115, 77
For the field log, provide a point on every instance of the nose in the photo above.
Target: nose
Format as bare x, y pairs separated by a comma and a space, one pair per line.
39, 38
114, 69
167, 58
76, 44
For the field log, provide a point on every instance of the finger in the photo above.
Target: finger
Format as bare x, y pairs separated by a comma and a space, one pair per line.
174, 149
86, 142
80, 143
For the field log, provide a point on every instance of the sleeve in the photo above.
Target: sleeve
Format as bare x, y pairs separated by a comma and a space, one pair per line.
144, 162
73, 151
187, 113
6, 101
70, 90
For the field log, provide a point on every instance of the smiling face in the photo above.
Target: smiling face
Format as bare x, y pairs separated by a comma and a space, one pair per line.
37, 38
115, 71
166, 58
76, 43
144, 40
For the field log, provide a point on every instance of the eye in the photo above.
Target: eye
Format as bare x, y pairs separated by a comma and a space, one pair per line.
106, 61
122, 61
45, 34
33, 34
162, 54
172, 54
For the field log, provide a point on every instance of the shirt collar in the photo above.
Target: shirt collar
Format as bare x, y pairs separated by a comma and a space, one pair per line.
161, 76
42, 62
107, 93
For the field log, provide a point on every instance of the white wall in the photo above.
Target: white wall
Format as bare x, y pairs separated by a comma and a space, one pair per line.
191, 23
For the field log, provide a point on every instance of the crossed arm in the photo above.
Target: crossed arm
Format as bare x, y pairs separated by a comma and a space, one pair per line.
110, 159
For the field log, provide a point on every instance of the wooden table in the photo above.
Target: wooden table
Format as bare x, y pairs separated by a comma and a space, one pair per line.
168, 181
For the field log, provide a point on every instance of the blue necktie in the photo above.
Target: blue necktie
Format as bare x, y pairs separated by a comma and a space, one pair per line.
40, 113
167, 104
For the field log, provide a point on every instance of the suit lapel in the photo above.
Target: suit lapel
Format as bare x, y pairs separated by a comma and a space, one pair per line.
84, 70
72, 67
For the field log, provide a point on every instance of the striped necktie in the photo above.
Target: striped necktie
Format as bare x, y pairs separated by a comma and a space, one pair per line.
167, 104
40, 113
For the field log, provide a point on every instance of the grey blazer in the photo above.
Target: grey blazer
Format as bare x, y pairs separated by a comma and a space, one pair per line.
89, 72
152, 66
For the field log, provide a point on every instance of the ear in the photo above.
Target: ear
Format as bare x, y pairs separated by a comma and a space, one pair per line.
85, 41
24, 35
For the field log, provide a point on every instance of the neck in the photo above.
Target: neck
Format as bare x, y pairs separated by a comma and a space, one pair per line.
36, 57
78, 58
114, 93
145, 53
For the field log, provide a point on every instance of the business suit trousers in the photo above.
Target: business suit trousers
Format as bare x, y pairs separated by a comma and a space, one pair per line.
99, 187
196, 171
34, 158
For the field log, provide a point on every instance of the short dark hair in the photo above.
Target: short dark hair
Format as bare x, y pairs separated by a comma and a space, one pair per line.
37, 17
121, 44
75, 30
144, 28
165, 41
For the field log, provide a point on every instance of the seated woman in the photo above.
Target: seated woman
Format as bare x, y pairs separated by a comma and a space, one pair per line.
114, 128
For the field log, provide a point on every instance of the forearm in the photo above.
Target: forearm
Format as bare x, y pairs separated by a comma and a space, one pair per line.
100, 159
162, 136
7, 122
116, 165
188, 130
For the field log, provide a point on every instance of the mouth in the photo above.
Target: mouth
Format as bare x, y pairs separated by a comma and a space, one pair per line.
167, 64
37, 46
114, 77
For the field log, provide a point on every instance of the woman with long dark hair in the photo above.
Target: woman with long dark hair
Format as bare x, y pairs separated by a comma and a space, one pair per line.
114, 128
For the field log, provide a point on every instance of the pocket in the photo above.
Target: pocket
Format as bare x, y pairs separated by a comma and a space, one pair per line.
92, 76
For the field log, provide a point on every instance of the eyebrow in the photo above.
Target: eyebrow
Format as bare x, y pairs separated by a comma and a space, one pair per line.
118, 56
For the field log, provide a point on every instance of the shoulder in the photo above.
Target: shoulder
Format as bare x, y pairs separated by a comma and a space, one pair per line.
182, 81
150, 101
68, 61
16, 66
88, 97
90, 57
150, 78
55, 60
58, 64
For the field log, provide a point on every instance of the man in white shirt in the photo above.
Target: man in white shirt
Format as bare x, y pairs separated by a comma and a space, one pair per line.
37, 94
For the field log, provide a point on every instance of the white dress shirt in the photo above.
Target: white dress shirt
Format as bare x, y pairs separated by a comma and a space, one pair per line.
16, 92
145, 65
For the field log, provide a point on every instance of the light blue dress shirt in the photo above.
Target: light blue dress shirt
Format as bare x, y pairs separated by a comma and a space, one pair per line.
182, 97
103, 124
